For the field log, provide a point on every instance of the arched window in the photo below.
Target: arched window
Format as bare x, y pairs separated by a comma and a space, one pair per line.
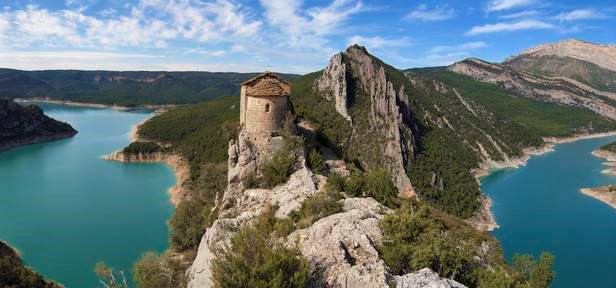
267, 107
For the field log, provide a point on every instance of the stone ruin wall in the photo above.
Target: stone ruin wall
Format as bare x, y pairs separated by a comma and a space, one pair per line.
257, 117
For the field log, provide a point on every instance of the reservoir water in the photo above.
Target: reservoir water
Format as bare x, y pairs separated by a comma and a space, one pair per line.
539, 208
64, 208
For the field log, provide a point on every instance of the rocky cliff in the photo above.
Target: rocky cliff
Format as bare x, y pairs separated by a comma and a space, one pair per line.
376, 106
27, 125
558, 90
341, 248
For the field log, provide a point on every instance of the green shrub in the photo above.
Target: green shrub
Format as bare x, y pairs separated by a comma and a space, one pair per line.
159, 271
278, 170
257, 259
109, 278
335, 182
315, 161
316, 207
142, 147
187, 225
280, 167
194, 214
416, 236
376, 184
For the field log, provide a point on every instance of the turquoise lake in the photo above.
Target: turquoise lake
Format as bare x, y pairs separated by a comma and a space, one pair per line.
64, 208
539, 208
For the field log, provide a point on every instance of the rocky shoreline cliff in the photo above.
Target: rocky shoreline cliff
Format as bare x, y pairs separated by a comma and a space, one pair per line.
179, 165
21, 125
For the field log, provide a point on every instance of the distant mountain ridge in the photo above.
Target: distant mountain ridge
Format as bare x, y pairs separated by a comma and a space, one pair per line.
549, 89
122, 88
588, 63
601, 55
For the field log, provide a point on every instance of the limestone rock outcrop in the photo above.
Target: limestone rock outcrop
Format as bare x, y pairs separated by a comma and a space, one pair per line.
240, 206
332, 84
425, 278
341, 247
21, 125
388, 116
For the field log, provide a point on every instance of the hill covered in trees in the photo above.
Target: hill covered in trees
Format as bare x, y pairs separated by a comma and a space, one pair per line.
13, 273
122, 88
21, 125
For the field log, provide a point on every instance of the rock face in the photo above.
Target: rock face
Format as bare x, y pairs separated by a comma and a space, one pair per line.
425, 278
27, 125
356, 81
558, 90
332, 84
239, 207
342, 246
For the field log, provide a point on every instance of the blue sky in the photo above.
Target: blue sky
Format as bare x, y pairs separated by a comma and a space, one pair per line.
284, 35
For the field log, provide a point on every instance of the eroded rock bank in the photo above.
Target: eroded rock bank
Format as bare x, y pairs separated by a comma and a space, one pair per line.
174, 160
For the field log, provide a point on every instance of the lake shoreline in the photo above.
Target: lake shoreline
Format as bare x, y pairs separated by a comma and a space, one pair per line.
157, 108
484, 218
601, 193
604, 193
175, 161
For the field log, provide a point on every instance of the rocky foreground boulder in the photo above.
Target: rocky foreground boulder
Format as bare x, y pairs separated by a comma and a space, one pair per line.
21, 125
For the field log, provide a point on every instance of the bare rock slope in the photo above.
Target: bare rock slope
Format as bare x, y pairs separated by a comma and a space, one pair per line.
591, 64
601, 55
376, 107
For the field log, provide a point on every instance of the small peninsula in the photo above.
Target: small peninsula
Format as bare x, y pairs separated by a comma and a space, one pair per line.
606, 193
22, 125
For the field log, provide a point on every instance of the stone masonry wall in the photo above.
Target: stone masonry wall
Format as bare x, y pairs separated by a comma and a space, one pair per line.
259, 119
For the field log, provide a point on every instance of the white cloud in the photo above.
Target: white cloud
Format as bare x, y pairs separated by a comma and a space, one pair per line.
522, 14
150, 23
579, 14
379, 42
439, 13
446, 55
500, 5
507, 27
309, 29
468, 46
